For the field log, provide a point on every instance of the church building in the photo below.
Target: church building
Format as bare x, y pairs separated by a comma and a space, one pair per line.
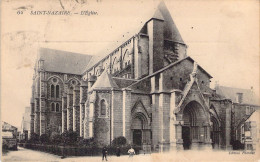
147, 90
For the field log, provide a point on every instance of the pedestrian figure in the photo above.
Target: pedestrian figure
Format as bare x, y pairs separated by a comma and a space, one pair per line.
131, 152
118, 151
104, 153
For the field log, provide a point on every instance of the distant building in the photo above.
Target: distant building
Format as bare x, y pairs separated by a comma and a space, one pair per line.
147, 90
25, 126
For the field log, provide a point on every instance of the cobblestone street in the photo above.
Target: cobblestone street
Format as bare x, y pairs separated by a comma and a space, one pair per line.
183, 156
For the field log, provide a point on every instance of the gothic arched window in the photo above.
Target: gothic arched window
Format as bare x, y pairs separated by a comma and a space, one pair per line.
52, 90
57, 91
103, 107
52, 107
57, 107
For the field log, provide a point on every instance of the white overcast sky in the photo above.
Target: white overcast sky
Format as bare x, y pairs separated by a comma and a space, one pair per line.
223, 37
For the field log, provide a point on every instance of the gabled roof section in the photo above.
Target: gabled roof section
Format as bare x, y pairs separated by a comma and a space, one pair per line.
169, 66
63, 61
231, 93
193, 82
188, 88
104, 82
7, 126
139, 102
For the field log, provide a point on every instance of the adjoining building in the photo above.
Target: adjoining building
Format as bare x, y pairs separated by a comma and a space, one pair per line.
9, 136
244, 104
249, 132
147, 90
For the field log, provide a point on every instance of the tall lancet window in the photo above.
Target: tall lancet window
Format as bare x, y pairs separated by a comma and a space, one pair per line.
103, 107
52, 107
52, 90
57, 107
57, 91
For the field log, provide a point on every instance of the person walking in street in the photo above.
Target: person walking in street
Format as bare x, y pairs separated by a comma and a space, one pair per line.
118, 151
104, 153
131, 152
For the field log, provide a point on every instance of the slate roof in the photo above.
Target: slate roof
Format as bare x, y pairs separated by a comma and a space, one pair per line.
94, 60
231, 93
169, 25
104, 82
123, 82
160, 12
158, 15
63, 61
7, 126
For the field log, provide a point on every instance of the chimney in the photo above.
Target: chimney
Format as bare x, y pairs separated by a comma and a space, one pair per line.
252, 89
216, 84
239, 98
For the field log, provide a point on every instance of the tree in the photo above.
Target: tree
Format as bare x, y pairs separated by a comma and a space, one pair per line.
44, 138
55, 138
119, 141
34, 138
69, 137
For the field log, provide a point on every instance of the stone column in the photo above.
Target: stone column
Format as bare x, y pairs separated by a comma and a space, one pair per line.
172, 121
64, 113
76, 120
161, 123
126, 112
32, 117
69, 110
161, 109
43, 111
86, 119
176, 142
32, 124
43, 116
37, 123
42, 99
92, 101
208, 140
81, 119
137, 57
155, 124
179, 140
91, 119
37, 117
83, 98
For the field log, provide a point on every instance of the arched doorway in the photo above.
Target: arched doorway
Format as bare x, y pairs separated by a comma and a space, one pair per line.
141, 132
195, 130
137, 126
215, 133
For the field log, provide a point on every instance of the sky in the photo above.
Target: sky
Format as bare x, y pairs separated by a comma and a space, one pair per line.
222, 36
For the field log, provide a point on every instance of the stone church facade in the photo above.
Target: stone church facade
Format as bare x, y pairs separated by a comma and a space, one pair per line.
147, 90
